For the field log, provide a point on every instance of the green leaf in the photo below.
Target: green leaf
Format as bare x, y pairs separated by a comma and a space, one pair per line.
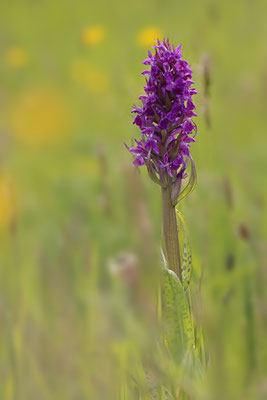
177, 316
190, 184
187, 255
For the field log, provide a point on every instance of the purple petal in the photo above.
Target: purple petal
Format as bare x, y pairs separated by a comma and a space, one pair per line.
139, 161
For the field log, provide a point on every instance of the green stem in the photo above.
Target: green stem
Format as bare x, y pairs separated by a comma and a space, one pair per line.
170, 231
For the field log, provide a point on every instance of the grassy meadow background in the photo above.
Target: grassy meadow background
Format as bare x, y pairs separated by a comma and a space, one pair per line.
80, 229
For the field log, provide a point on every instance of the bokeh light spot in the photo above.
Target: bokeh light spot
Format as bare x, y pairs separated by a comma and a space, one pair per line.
147, 36
16, 57
40, 117
93, 35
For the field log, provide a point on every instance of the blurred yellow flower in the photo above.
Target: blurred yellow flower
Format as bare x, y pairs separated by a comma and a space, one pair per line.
7, 200
16, 57
93, 35
95, 80
40, 117
147, 36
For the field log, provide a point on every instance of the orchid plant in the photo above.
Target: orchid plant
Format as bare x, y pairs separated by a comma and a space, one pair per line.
167, 131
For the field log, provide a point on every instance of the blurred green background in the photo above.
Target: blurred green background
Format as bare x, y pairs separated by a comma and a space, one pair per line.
80, 229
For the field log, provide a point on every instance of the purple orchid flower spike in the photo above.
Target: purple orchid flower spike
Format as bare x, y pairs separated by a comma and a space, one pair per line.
165, 118
167, 131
